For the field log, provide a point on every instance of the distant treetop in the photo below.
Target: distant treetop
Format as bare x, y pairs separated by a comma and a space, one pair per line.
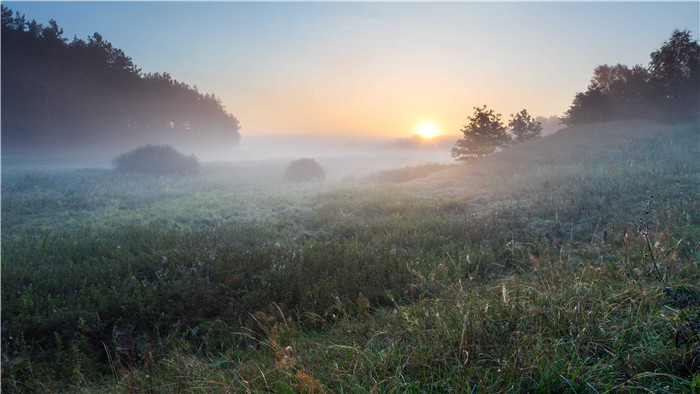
668, 90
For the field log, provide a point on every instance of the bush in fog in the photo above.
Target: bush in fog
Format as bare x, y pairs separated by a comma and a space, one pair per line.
157, 160
304, 170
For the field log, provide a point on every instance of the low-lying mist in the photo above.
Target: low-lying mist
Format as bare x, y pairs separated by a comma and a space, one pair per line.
341, 156
355, 156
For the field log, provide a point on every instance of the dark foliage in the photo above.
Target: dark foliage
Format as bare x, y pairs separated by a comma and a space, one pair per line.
56, 92
304, 170
675, 76
524, 127
589, 107
668, 91
157, 160
482, 135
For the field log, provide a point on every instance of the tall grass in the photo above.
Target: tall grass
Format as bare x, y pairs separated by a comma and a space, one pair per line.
523, 271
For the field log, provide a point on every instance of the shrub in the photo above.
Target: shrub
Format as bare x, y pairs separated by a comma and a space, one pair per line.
304, 170
157, 160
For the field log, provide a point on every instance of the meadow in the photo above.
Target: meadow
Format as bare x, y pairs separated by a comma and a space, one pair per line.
523, 271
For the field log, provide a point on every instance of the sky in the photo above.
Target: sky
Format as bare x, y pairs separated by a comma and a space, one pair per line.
376, 69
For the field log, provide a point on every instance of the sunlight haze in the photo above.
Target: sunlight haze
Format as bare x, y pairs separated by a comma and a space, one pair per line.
375, 69
321, 197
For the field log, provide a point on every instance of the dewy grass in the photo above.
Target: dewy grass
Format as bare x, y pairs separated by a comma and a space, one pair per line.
520, 272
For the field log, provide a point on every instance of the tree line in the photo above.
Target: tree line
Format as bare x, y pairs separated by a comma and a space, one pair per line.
668, 90
56, 92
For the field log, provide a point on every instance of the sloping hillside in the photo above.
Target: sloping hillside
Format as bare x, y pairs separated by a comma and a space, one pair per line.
616, 149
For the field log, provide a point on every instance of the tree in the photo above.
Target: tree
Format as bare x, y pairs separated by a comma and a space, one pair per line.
615, 92
675, 76
524, 127
626, 87
589, 107
482, 135
668, 91
609, 79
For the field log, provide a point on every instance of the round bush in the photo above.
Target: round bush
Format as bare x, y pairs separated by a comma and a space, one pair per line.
157, 160
304, 170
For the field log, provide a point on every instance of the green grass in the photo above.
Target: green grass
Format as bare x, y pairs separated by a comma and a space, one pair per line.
523, 271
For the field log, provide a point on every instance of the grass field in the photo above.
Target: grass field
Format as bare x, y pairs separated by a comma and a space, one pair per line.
524, 271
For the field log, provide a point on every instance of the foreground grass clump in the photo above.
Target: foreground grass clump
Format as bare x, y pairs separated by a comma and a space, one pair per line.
604, 327
157, 160
524, 271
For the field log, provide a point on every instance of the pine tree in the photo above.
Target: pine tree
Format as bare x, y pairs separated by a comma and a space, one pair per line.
482, 135
524, 127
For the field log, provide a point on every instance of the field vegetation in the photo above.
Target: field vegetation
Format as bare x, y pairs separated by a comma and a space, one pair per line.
157, 160
304, 170
522, 271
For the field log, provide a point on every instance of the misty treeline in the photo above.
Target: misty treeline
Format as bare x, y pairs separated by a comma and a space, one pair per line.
668, 90
61, 92
485, 133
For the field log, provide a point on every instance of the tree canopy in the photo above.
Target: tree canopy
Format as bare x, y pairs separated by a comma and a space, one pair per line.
523, 127
485, 133
60, 92
482, 135
668, 90
674, 73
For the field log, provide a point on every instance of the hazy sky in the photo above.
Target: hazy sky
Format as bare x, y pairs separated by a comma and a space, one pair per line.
376, 69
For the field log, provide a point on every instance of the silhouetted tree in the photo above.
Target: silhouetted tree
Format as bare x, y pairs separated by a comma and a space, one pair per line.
56, 92
609, 79
482, 135
524, 127
589, 107
669, 90
675, 76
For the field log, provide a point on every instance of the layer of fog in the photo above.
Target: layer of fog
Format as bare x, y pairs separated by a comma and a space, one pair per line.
350, 155
340, 156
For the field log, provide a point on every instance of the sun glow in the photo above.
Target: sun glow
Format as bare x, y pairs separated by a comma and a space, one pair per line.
428, 130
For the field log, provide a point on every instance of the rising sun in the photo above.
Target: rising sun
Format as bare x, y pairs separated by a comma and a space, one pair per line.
428, 130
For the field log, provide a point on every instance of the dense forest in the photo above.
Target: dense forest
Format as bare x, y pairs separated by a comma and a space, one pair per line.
61, 93
667, 91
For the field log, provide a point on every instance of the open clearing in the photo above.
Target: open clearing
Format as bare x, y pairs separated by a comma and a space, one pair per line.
522, 271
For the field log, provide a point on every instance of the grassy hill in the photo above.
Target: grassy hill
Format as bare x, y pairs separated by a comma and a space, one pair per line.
523, 271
